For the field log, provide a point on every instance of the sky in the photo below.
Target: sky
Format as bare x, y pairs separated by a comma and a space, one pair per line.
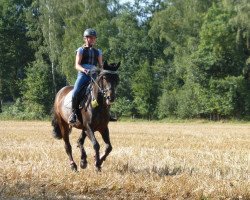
125, 1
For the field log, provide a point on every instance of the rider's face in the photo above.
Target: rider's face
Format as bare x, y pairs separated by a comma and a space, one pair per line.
90, 40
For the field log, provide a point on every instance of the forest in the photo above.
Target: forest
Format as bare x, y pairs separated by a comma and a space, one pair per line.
179, 59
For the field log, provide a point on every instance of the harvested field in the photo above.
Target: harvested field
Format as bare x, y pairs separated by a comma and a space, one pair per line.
149, 161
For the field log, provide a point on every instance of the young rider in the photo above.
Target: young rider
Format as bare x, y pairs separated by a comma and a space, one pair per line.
86, 58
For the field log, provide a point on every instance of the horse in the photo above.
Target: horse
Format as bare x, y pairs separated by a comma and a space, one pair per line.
92, 116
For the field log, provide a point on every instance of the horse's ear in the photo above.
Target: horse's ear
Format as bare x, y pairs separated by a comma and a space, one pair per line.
118, 64
112, 66
105, 64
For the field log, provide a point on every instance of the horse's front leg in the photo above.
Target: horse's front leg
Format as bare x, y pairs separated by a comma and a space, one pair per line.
108, 149
83, 163
96, 146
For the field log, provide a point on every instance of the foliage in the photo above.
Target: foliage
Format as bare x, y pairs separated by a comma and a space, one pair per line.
167, 104
38, 93
225, 97
14, 51
122, 107
143, 88
217, 53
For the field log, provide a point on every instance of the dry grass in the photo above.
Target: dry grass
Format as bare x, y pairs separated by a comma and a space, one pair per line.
148, 161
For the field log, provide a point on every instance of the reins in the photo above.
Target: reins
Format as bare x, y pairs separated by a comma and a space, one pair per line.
100, 89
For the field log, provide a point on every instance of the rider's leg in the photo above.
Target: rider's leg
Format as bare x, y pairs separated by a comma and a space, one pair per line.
73, 116
81, 80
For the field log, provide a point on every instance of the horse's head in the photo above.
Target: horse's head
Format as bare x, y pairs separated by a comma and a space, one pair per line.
108, 79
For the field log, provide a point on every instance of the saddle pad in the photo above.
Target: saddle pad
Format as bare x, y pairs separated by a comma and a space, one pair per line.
68, 100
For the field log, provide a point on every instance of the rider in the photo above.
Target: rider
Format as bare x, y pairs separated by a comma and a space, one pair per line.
86, 58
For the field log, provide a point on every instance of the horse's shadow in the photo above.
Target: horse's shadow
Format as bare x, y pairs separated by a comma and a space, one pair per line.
160, 171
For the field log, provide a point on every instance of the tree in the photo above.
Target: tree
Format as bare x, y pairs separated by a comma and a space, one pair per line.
15, 52
38, 93
241, 22
179, 58
217, 54
225, 97
52, 29
124, 46
221, 62
143, 90
177, 27
43, 76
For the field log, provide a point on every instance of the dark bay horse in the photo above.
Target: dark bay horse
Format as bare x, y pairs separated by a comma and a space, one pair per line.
93, 117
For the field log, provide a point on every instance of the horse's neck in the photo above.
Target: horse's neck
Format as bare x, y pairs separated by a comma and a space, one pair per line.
95, 91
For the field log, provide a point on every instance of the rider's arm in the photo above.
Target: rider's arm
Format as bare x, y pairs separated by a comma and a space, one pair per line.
78, 63
100, 59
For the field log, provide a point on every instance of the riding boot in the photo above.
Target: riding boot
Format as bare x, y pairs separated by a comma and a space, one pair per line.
73, 116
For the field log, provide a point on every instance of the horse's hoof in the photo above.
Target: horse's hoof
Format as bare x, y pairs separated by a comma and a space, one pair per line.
73, 167
98, 166
83, 164
98, 169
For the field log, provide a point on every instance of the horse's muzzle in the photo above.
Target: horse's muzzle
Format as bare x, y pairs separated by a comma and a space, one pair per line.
109, 100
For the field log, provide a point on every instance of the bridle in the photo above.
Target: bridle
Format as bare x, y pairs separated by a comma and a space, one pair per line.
101, 89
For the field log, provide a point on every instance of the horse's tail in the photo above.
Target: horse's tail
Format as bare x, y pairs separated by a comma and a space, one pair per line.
56, 128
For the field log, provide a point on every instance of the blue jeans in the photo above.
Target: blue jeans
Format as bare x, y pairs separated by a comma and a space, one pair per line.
81, 81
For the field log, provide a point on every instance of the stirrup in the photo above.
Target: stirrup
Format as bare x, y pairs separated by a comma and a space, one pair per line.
72, 118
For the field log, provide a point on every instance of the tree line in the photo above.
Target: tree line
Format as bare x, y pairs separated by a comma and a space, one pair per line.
181, 59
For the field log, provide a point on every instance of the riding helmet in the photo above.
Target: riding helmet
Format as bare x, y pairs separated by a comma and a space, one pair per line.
89, 32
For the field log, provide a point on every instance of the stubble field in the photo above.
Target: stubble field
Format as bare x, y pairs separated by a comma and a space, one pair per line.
148, 161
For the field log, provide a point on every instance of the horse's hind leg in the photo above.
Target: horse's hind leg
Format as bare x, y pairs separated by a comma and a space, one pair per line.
65, 133
106, 139
83, 163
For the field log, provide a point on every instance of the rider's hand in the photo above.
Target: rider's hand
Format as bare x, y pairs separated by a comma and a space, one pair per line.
87, 71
